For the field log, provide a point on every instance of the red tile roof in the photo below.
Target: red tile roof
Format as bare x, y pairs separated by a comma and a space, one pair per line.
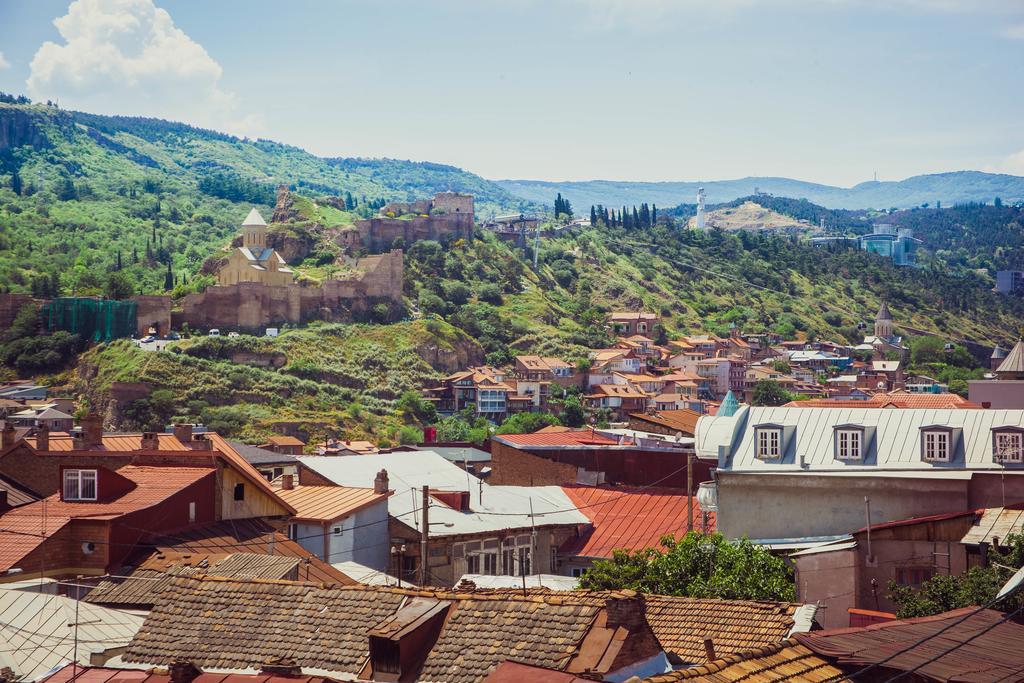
25, 528
900, 399
683, 420
515, 672
628, 518
987, 648
548, 438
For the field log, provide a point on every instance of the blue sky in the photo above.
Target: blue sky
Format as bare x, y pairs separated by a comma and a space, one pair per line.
823, 90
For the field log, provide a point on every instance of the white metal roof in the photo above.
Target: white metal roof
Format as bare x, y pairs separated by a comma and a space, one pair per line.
552, 581
492, 508
254, 219
896, 438
37, 631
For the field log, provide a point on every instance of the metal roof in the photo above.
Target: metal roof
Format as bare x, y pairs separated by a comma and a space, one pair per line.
1014, 361
37, 631
896, 439
328, 503
585, 437
995, 523
491, 508
255, 455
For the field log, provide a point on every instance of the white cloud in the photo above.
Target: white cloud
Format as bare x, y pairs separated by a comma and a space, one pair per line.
4, 64
1014, 32
128, 57
1012, 164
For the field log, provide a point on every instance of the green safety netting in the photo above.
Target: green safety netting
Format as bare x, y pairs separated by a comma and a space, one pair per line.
95, 319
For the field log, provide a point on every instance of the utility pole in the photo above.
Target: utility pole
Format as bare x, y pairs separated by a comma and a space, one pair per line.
425, 530
689, 492
536, 246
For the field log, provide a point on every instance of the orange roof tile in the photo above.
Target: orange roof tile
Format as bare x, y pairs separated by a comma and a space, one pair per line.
903, 399
683, 420
328, 503
628, 518
285, 441
787, 661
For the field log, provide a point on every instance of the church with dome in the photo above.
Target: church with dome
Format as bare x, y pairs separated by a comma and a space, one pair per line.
254, 261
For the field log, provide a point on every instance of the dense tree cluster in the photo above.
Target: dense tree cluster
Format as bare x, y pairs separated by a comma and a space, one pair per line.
644, 217
236, 188
562, 207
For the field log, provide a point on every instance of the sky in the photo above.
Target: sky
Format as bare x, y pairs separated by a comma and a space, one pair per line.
830, 91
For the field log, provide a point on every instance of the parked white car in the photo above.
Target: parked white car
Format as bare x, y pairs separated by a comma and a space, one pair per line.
215, 332
272, 332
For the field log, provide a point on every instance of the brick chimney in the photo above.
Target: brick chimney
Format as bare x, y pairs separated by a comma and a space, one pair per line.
150, 441
625, 611
43, 438
200, 442
183, 672
92, 430
287, 482
380, 482
281, 666
183, 432
7, 436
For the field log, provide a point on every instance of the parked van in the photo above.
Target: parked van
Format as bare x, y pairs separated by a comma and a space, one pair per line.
215, 332
272, 331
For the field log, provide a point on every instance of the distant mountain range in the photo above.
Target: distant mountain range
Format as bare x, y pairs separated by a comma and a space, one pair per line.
948, 188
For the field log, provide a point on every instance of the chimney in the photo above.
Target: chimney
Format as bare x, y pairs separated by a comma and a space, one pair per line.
380, 482
92, 430
281, 666
183, 672
43, 438
7, 436
150, 441
626, 611
199, 442
287, 482
183, 432
709, 649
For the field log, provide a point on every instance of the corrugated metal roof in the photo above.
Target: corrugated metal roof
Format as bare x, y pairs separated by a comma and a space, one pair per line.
37, 631
893, 399
586, 437
628, 519
256, 566
897, 438
981, 648
995, 523
328, 503
16, 493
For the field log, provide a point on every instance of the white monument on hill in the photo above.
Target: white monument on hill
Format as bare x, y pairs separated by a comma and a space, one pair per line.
701, 217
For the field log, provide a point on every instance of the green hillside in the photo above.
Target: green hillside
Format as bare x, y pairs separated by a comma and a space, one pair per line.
78, 189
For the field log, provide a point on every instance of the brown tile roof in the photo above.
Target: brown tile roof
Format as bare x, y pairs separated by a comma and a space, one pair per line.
286, 441
786, 661
628, 518
894, 399
328, 503
196, 549
989, 648
91, 674
584, 437
221, 623
682, 624
617, 390
682, 420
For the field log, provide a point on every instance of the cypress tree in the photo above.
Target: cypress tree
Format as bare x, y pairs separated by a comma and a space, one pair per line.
16, 182
654, 214
636, 218
593, 216
118, 259
168, 278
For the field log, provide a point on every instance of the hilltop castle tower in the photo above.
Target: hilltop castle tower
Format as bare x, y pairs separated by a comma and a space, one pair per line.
883, 322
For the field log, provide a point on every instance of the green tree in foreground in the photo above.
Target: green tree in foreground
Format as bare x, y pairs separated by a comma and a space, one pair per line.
696, 565
768, 392
977, 586
526, 423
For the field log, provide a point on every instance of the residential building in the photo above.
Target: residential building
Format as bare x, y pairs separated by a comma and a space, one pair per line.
340, 523
484, 388
474, 527
23, 390
627, 518
619, 399
546, 369
54, 420
288, 445
606, 362
891, 399
629, 323
593, 457
271, 464
824, 461
667, 422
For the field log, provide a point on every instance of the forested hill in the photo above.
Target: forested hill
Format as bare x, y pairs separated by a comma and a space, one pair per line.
83, 194
947, 188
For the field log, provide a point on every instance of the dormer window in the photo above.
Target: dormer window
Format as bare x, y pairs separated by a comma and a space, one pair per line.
79, 484
849, 444
936, 446
769, 443
1008, 446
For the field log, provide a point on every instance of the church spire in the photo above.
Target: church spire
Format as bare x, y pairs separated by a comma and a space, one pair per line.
883, 321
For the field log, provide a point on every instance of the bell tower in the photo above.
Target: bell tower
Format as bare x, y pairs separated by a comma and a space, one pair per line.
254, 231
883, 322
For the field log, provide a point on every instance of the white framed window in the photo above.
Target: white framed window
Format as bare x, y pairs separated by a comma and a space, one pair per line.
515, 555
477, 557
849, 444
769, 443
1009, 447
79, 484
936, 446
